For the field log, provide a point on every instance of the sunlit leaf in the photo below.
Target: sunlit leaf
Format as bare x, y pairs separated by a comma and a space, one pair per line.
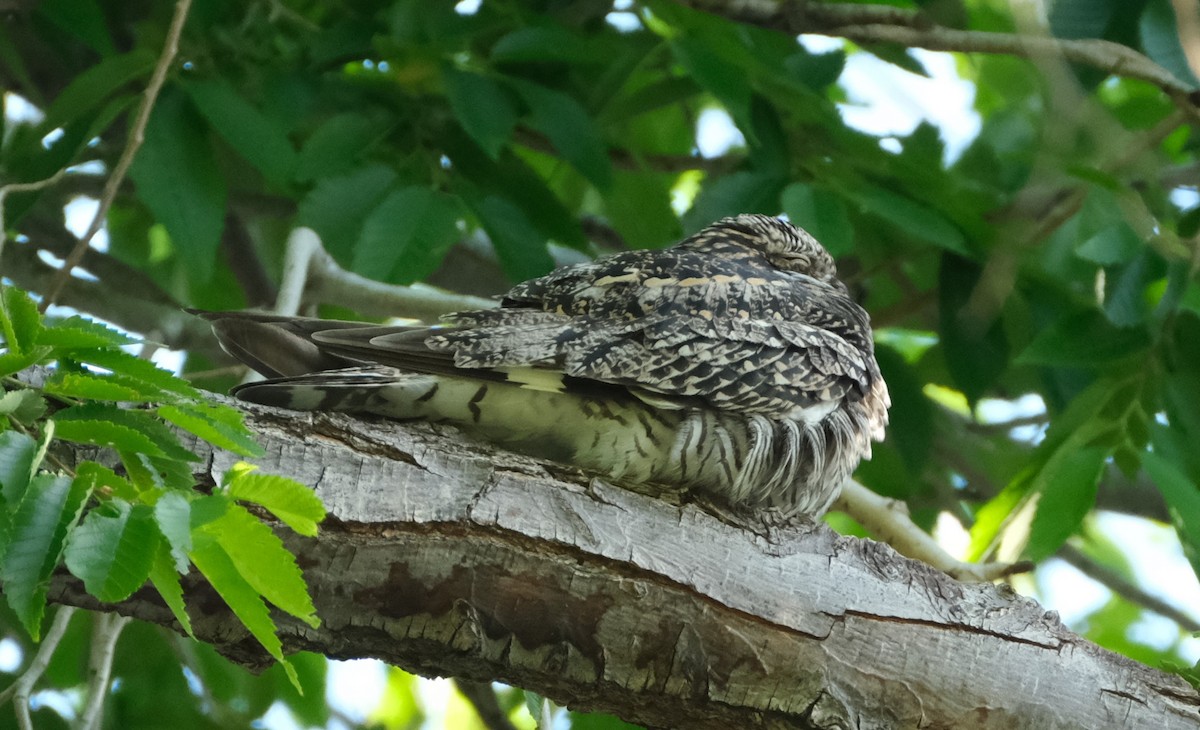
78, 332
262, 561
219, 425
165, 578
291, 502
149, 435
244, 600
19, 320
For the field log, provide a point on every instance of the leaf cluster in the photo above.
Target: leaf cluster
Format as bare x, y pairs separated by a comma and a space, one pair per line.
139, 519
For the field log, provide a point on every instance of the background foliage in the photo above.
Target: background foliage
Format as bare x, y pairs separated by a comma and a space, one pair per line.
1035, 297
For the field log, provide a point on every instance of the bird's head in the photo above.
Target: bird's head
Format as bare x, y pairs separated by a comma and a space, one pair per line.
786, 246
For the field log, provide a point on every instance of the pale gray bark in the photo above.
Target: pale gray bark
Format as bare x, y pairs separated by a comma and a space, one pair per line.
447, 557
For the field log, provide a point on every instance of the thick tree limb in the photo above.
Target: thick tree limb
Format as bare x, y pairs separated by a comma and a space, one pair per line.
447, 557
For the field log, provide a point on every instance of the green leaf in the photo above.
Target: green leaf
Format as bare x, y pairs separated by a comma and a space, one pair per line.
263, 561
724, 80
90, 89
1183, 500
334, 148
26, 406
102, 480
77, 332
548, 42
482, 107
520, 247
512, 180
1160, 39
570, 129
152, 472
821, 213
739, 192
82, 18
112, 553
1113, 244
138, 369
152, 436
178, 178
255, 136
916, 219
95, 387
976, 353
108, 434
639, 207
225, 578
1067, 488
173, 514
19, 320
221, 426
1084, 339
17, 455
404, 239
49, 509
337, 206
912, 413
292, 503
15, 362
166, 581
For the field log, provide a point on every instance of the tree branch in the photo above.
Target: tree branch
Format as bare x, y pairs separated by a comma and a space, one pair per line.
1126, 588
885, 24
448, 557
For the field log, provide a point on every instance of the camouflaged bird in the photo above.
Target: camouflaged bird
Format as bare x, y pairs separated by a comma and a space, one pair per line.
734, 363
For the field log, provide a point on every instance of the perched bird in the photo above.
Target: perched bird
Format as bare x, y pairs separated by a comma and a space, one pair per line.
734, 363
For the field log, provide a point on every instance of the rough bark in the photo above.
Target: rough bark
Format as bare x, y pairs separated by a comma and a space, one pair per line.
447, 557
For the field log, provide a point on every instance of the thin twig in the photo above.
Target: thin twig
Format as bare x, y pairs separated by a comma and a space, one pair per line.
137, 136
1125, 588
887, 520
108, 628
21, 689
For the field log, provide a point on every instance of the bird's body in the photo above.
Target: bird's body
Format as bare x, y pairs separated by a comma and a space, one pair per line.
733, 362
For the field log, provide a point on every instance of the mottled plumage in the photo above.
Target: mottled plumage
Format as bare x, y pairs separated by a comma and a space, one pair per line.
733, 362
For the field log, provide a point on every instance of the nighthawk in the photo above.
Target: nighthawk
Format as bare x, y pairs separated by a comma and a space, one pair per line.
734, 363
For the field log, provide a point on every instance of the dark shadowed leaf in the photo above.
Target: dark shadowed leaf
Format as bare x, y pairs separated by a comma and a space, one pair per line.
570, 129
337, 206
976, 352
1084, 339
821, 213
255, 136
178, 179
483, 108
404, 239
741, 192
